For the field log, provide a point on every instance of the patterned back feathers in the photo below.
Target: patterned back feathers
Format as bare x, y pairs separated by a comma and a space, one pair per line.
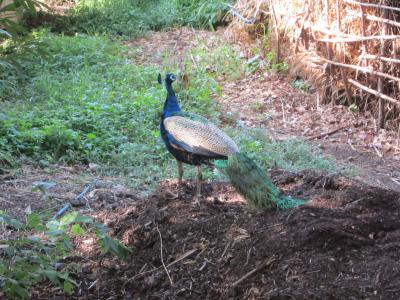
201, 136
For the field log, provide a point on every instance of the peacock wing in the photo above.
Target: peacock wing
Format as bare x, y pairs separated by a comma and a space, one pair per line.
196, 133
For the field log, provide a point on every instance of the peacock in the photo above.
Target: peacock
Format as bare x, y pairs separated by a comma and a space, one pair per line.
193, 140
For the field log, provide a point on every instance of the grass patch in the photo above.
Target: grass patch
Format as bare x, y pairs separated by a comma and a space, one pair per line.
87, 102
132, 18
292, 154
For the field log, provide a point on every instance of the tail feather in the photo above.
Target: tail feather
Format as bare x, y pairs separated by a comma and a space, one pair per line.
253, 183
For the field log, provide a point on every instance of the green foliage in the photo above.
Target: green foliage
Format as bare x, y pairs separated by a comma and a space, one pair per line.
29, 259
300, 84
10, 12
130, 18
87, 102
279, 66
291, 154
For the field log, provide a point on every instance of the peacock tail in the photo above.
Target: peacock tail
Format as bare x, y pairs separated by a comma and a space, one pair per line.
253, 183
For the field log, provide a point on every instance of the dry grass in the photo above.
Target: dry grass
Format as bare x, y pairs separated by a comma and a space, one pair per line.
298, 33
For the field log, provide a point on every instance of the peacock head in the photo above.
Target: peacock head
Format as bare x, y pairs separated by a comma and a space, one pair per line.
170, 78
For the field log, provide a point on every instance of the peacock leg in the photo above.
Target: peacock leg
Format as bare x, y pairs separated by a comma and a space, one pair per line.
180, 172
198, 186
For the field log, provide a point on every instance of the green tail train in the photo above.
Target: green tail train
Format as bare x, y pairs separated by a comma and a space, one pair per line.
253, 183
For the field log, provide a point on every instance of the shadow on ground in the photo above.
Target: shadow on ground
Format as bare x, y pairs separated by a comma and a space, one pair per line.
342, 245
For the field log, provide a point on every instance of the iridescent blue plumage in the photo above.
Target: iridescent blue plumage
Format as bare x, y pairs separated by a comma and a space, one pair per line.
192, 139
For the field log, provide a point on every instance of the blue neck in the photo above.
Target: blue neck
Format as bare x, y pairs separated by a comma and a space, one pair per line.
171, 103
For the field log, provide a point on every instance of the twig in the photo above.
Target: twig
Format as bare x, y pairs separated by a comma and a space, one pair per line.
226, 248
162, 259
377, 151
93, 284
351, 145
247, 21
322, 135
4, 200
255, 270
155, 269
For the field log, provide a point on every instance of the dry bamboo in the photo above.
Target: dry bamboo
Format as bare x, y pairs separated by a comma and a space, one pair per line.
387, 59
372, 5
381, 110
374, 92
361, 69
359, 39
342, 49
382, 20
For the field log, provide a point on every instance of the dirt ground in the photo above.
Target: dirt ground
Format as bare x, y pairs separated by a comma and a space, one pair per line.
343, 244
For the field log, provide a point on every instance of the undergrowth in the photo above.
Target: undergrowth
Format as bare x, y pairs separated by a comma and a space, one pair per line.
87, 102
132, 18
37, 250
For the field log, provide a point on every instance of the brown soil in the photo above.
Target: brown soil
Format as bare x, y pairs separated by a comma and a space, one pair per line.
342, 245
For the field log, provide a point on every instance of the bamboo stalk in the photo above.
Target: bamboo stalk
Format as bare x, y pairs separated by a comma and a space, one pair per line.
302, 26
364, 45
342, 49
381, 114
372, 5
331, 32
374, 92
387, 59
361, 69
352, 39
382, 20
278, 51
329, 49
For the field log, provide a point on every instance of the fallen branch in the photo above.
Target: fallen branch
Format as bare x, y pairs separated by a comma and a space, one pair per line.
162, 259
322, 135
373, 92
255, 270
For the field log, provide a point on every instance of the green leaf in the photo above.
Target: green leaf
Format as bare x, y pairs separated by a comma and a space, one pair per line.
53, 224
4, 218
69, 218
77, 229
91, 136
68, 287
83, 219
15, 289
3, 32
33, 221
114, 247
